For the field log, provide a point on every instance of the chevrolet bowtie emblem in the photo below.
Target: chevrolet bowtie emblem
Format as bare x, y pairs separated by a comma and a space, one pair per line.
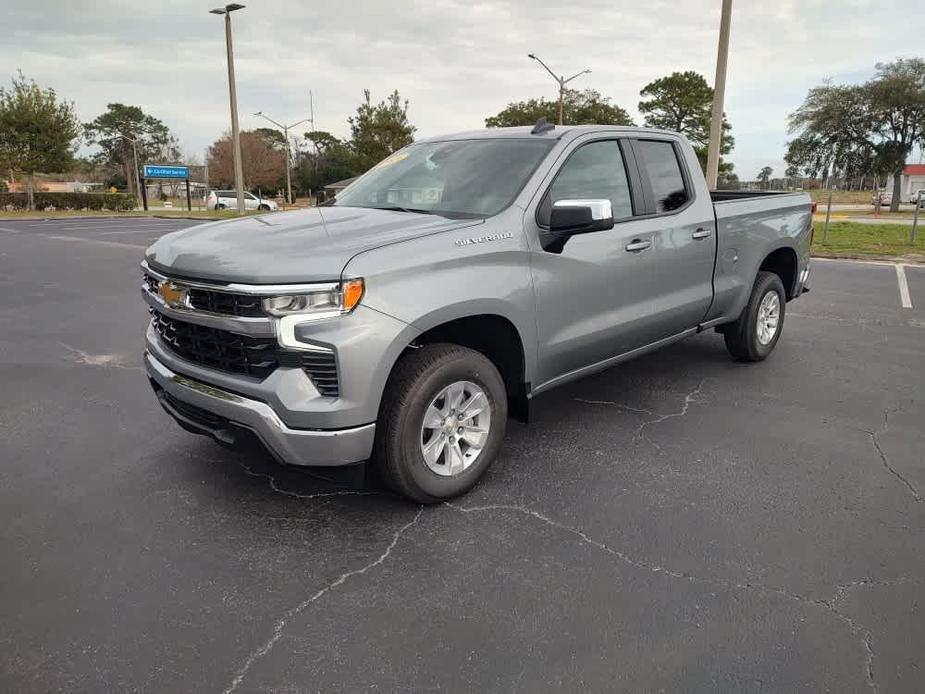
173, 295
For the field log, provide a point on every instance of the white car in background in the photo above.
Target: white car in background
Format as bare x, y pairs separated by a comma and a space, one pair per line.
915, 197
228, 199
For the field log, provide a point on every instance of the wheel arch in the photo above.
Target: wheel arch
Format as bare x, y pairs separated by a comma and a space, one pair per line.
783, 262
490, 333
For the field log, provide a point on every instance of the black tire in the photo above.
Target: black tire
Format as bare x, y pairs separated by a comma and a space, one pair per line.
265, 208
220, 206
418, 377
742, 336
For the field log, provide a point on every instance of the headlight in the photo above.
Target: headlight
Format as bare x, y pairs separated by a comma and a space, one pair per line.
328, 300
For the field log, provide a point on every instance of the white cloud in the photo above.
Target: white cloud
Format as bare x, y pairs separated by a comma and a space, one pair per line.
457, 61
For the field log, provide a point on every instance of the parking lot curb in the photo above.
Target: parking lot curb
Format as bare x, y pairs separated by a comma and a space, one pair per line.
904, 259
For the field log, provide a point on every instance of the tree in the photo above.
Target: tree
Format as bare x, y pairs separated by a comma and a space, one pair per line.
377, 131
864, 129
727, 179
897, 98
833, 126
328, 160
37, 131
262, 158
273, 137
765, 175
109, 131
586, 107
683, 102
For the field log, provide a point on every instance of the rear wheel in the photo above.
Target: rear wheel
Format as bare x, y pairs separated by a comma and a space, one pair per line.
441, 422
220, 206
756, 332
263, 207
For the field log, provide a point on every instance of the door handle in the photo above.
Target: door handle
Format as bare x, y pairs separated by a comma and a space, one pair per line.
637, 245
701, 233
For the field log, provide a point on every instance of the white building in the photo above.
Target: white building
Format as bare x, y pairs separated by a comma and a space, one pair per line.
913, 180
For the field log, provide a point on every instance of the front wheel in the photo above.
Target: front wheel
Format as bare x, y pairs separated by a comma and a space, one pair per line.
265, 208
441, 422
756, 332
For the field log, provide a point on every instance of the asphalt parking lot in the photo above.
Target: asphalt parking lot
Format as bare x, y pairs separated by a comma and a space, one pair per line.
679, 523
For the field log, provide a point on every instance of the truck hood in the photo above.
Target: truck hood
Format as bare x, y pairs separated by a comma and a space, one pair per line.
310, 245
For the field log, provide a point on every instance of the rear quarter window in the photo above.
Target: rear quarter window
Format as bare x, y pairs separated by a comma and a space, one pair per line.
661, 164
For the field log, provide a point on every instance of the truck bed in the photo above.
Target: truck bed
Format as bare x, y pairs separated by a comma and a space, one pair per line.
727, 195
748, 224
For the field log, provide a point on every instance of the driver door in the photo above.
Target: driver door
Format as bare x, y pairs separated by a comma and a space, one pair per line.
596, 298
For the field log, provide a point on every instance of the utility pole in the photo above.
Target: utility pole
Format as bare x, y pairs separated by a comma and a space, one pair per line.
138, 180
233, 98
285, 129
205, 173
311, 118
561, 81
719, 91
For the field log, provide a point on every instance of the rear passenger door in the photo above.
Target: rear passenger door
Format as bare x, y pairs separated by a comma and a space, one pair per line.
683, 229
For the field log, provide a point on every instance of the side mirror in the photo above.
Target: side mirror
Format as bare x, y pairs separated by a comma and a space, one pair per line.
571, 217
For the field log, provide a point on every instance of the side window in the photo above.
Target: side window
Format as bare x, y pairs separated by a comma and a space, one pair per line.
594, 171
250, 196
660, 162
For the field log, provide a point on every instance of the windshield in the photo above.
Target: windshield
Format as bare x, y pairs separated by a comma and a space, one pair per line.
461, 178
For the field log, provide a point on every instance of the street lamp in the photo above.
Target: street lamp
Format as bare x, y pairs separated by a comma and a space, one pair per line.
233, 97
138, 182
561, 81
285, 129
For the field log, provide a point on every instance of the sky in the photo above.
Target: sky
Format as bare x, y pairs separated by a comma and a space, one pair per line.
456, 61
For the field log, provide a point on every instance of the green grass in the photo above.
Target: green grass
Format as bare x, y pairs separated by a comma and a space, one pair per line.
843, 197
848, 239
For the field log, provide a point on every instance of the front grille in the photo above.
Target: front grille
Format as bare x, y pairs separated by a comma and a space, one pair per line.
151, 282
223, 302
218, 349
201, 299
243, 354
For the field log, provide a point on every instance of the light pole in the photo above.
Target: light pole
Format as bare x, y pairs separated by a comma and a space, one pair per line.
285, 129
233, 97
138, 182
719, 91
561, 81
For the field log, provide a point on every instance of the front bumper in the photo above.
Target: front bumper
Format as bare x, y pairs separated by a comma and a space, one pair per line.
221, 414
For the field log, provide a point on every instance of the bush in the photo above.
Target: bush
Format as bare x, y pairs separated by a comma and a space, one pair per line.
116, 202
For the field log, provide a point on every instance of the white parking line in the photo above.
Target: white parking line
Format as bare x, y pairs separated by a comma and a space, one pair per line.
140, 230
852, 260
904, 297
78, 239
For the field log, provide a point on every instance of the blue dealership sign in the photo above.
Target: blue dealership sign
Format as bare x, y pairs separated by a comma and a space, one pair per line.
157, 171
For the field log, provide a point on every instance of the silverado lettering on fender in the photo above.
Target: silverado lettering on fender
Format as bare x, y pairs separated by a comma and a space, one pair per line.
451, 284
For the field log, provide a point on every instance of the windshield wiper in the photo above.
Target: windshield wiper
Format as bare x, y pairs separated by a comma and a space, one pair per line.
413, 210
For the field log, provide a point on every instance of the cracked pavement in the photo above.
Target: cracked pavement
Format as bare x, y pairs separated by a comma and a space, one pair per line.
681, 522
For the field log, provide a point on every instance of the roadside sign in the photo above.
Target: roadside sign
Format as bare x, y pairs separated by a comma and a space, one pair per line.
157, 171
163, 171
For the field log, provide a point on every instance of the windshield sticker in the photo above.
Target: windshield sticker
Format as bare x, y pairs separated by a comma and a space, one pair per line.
394, 159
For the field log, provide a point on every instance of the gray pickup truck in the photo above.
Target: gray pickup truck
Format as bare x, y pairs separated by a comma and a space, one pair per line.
456, 280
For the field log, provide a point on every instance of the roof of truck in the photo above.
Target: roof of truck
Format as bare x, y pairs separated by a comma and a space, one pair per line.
555, 133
